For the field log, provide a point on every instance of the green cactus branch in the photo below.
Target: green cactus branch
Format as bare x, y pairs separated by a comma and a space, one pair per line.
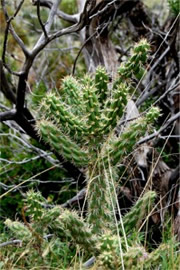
18, 229
79, 230
71, 93
114, 109
62, 143
134, 65
125, 143
133, 219
92, 109
101, 81
54, 109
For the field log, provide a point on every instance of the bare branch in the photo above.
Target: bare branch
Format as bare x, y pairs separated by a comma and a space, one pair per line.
23, 142
84, 44
48, 4
12, 242
49, 23
17, 241
9, 27
18, 8
19, 41
9, 115
24, 160
147, 94
81, 194
155, 134
99, 12
5, 87
40, 21
21, 92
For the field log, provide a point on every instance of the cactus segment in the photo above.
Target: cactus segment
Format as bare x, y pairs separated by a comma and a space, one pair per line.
129, 137
100, 198
62, 144
18, 229
134, 65
98, 204
133, 219
101, 81
133, 259
53, 108
108, 249
71, 93
155, 257
114, 109
92, 109
79, 230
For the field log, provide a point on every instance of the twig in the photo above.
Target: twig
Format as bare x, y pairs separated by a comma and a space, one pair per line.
17, 241
154, 90
155, 134
9, 27
49, 23
8, 187
40, 21
19, 41
103, 9
158, 61
84, 44
89, 263
167, 92
12, 242
24, 160
75, 199
9, 115
41, 152
48, 4
5, 87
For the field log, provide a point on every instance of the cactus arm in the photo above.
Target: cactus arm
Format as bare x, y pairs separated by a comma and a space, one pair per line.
101, 81
54, 109
62, 144
125, 143
138, 212
79, 230
114, 109
134, 65
71, 94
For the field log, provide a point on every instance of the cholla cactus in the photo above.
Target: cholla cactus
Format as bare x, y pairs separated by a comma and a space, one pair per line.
155, 257
101, 81
78, 124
